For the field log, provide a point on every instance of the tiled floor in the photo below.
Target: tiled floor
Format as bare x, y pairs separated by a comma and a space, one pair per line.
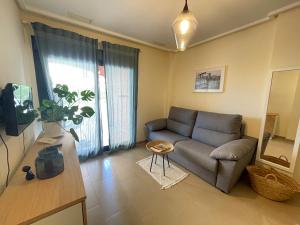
119, 192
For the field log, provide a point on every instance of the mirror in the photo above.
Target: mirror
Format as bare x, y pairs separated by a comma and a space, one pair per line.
281, 119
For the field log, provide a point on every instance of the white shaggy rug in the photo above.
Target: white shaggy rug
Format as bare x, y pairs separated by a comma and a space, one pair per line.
173, 174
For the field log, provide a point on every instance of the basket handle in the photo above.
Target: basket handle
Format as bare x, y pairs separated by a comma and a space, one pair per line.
268, 176
283, 157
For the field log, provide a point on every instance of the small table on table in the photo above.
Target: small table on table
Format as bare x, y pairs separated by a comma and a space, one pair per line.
150, 146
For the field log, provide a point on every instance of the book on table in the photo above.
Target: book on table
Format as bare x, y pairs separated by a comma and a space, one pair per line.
160, 148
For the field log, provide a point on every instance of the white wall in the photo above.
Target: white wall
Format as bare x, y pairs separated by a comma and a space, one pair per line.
16, 66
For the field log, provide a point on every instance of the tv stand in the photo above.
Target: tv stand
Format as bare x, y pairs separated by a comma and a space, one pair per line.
58, 200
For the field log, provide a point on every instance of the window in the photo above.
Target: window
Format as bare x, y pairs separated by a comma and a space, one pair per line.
103, 105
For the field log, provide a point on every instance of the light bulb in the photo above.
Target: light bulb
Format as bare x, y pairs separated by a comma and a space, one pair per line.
184, 26
182, 46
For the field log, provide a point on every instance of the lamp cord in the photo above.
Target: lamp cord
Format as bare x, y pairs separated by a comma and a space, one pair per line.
186, 8
7, 160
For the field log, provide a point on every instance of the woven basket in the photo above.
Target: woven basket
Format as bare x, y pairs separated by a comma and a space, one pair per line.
272, 184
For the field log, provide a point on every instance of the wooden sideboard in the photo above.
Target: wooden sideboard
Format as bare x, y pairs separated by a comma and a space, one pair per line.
58, 200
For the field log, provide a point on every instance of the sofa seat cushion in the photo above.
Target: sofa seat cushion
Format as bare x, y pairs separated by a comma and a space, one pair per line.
166, 135
198, 153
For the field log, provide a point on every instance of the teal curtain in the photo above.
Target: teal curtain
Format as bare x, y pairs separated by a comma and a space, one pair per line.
44, 90
121, 73
71, 59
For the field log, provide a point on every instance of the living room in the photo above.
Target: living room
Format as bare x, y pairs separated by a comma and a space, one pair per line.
145, 89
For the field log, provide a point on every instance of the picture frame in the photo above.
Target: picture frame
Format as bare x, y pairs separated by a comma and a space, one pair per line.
210, 80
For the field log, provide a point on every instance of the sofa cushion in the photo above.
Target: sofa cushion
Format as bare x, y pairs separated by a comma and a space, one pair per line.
181, 120
166, 135
198, 153
234, 150
159, 124
217, 129
180, 128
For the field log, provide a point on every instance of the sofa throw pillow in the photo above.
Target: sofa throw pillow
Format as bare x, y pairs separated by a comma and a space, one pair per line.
234, 150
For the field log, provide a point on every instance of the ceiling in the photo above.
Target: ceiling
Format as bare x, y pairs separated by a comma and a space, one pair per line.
150, 20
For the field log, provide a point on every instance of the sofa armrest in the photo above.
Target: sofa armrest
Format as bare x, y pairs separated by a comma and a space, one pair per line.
158, 124
235, 150
233, 157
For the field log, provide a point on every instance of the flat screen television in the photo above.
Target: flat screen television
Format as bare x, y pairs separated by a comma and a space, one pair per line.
17, 106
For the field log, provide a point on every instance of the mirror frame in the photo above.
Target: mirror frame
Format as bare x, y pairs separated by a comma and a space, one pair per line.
262, 128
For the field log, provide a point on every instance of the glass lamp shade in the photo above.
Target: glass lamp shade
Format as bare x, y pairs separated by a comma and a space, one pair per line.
184, 27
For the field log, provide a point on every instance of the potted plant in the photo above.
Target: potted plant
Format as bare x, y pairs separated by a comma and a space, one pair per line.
64, 108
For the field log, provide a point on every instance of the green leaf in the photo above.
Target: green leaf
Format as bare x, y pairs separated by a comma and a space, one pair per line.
87, 95
77, 119
71, 97
66, 110
61, 90
87, 111
74, 108
74, 134
71, 111
47, 103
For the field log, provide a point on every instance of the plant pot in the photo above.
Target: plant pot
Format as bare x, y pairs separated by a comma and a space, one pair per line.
52, 129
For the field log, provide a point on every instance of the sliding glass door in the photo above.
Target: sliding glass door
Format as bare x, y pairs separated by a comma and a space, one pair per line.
79, 78
103, 106
121, 76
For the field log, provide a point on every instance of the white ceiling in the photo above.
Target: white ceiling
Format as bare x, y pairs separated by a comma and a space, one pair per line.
151, 20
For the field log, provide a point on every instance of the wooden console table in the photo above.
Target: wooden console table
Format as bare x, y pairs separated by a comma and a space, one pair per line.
59, 200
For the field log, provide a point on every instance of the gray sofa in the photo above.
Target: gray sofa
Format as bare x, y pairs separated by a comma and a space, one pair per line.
211, 145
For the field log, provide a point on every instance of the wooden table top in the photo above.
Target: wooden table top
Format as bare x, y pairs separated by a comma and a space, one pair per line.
24, 202
153, 143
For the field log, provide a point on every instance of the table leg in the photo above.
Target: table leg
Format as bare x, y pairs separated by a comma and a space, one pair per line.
155, 158
151, 162
168, 160
164, 164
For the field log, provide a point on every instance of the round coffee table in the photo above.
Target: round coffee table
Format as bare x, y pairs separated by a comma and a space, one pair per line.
169, 148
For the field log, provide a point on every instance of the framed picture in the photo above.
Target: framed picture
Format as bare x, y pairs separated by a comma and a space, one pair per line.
210, 80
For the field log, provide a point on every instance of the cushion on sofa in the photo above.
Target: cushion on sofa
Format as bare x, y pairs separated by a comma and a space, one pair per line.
180, 128
158, 124
166, 135
216, 129
181, 121
234, 150
198, 153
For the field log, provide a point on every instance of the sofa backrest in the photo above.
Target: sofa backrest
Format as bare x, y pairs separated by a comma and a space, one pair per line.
216, 129
181, 121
